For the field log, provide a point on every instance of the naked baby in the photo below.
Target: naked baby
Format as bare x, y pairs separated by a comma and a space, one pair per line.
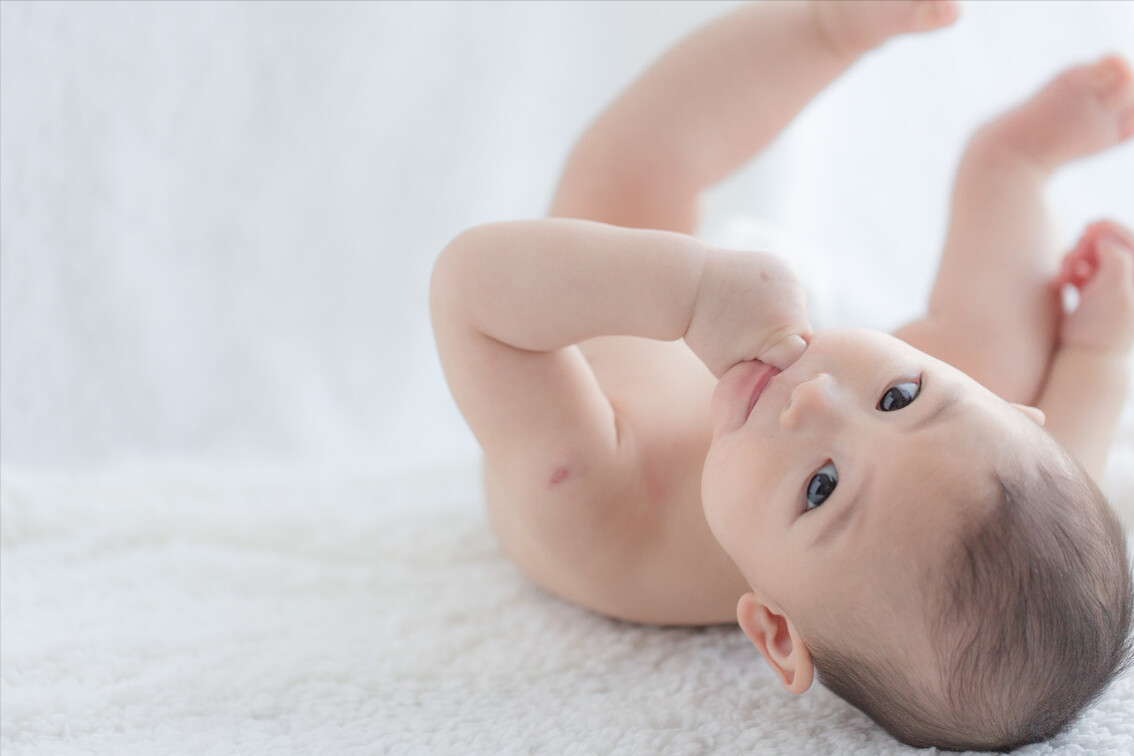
912, 517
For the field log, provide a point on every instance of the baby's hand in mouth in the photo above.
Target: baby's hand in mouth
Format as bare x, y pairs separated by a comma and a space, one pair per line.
784, 352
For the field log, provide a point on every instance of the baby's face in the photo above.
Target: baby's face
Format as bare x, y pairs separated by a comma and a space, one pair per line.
853, 469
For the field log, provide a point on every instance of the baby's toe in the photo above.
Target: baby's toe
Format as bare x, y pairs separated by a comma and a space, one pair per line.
1113, 82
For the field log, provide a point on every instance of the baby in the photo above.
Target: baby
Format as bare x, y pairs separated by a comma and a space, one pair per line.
913, 517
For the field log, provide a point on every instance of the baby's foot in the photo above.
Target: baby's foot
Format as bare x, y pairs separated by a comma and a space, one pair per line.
852, 28
1083, 110
1101, 269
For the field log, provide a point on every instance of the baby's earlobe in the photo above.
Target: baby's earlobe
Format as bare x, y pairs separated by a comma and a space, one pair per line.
1035, 413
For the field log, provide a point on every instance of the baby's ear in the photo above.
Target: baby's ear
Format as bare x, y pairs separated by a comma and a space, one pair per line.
1035, 413
778, 641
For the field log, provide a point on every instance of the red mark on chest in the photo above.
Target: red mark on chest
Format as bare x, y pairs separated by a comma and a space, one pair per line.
558, 476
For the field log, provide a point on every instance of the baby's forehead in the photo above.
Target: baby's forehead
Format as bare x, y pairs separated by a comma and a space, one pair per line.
974, 421
928, 484
931, 490
959, 420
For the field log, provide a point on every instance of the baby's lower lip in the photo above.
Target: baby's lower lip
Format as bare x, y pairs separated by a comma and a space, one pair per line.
761, 384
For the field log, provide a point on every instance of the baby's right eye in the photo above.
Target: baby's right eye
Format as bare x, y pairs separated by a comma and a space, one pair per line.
821, 485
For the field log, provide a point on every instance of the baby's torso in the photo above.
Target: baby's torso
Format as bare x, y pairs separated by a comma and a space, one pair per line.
678, 574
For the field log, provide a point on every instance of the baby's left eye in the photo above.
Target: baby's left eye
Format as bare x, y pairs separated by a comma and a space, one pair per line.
899, 396
821, 486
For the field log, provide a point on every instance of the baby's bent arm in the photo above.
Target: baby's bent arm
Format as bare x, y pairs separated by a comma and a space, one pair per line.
508, 303
541, 285
510, 300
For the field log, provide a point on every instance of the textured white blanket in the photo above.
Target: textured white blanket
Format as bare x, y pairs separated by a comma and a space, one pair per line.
178, 609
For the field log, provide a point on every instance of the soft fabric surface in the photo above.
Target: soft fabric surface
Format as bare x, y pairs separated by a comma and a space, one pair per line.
173, 609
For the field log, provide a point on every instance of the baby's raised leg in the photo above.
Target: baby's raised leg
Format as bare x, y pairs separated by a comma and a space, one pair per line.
993, 312
718, 97
1090, 371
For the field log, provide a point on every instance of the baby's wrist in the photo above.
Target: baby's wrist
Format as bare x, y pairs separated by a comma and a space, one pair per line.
748, 305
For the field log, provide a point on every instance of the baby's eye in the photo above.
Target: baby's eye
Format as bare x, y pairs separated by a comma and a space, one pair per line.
821, 485
900, 395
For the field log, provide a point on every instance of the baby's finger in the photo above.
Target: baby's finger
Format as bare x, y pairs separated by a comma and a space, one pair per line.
784, 352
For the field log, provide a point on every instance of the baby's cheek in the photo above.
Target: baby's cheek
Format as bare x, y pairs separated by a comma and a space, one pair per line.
722, 493
735, 489
711, 475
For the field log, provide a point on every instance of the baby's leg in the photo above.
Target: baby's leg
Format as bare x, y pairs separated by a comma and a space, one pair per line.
1090, 371
993, 312
717, 98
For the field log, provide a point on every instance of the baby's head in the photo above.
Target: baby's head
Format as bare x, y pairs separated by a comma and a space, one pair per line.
923, 544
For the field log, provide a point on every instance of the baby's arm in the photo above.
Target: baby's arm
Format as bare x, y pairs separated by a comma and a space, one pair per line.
1089, 376
509, 301
717, 98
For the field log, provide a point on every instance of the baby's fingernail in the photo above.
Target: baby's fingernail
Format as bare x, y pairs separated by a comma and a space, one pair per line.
784, 353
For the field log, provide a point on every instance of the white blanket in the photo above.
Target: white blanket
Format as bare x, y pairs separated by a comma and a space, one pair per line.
175, 609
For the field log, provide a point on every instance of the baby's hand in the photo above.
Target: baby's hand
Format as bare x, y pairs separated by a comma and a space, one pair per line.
1101, 267
750, 306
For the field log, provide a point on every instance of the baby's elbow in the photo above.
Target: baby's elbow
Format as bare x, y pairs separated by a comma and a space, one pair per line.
466, 248
473, 252
447, 268
457, 269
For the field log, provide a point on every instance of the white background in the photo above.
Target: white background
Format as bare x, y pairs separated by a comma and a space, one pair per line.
217, 221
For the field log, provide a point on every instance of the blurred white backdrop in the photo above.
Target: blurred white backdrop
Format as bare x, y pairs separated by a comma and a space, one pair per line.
217, 221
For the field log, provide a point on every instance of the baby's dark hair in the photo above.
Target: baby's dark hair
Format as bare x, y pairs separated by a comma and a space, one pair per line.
1029, 618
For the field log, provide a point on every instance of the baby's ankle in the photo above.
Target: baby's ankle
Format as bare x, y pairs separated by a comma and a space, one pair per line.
850, 29
1082, 111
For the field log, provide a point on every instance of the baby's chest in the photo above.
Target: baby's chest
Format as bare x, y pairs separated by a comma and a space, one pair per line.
660, 385
662, 391
660, 563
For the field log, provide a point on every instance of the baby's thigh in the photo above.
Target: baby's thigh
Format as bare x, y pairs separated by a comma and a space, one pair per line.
1011, 365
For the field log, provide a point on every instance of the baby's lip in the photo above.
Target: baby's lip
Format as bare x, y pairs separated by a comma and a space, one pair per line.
758, 390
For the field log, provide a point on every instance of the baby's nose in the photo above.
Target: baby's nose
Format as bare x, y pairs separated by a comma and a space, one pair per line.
813, 399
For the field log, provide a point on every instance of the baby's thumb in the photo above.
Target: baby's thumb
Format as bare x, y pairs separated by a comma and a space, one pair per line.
784, 352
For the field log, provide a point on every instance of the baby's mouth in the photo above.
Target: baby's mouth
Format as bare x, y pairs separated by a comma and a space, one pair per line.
758, 390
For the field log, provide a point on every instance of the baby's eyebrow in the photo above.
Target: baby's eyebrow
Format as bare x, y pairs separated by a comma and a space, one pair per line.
947, 403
